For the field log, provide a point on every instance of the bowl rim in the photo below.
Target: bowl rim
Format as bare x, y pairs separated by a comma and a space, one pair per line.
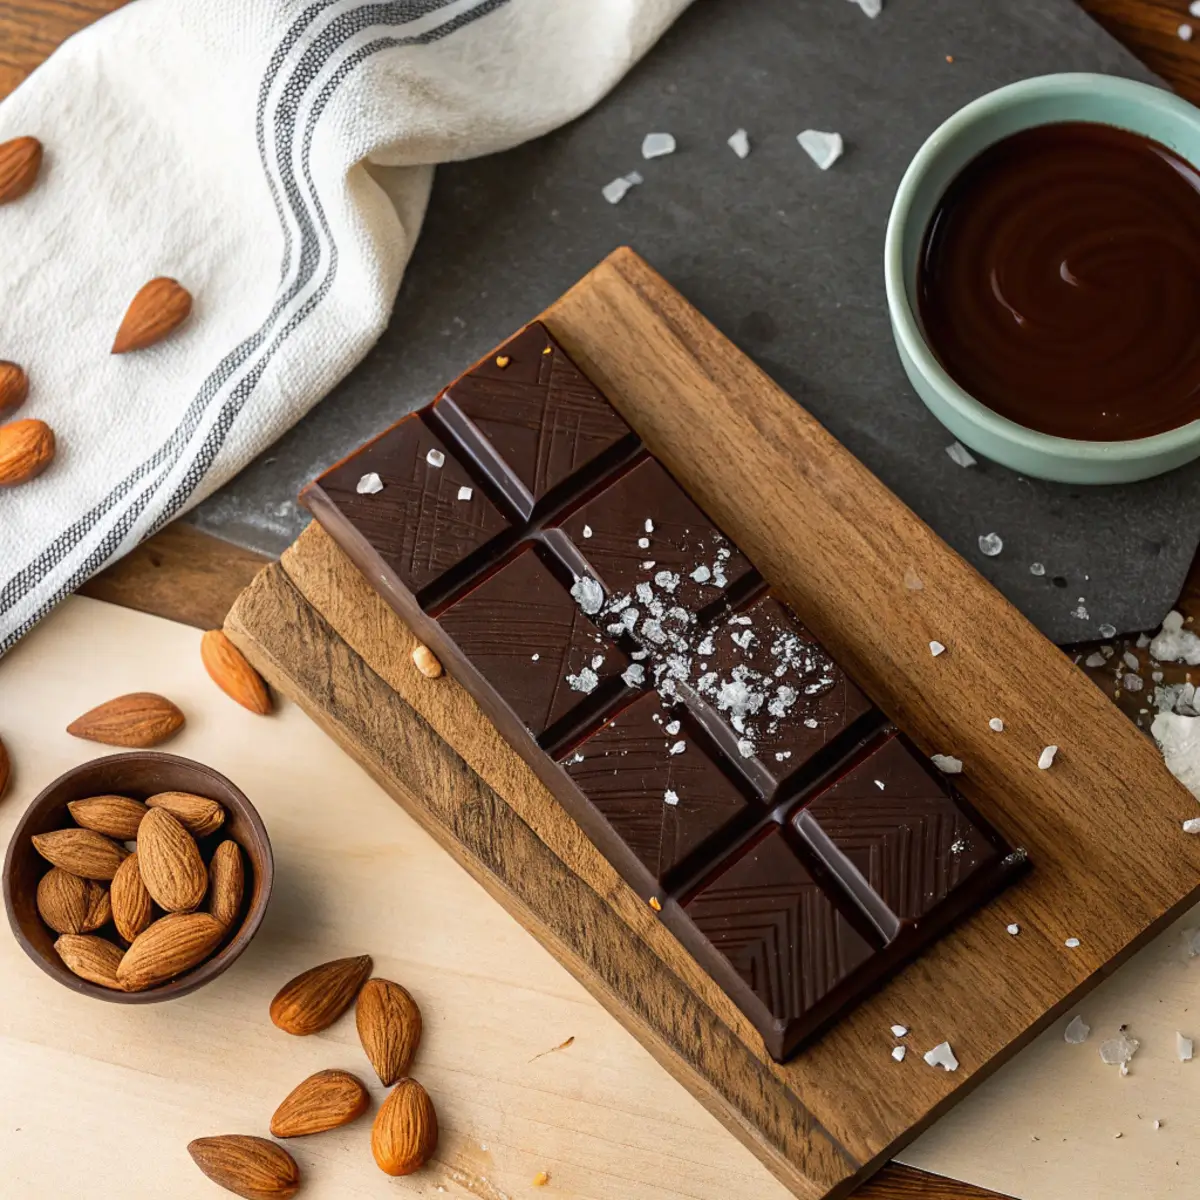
206, 971
906, 326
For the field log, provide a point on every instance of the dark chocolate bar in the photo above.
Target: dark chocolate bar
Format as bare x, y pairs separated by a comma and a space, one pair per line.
743, 785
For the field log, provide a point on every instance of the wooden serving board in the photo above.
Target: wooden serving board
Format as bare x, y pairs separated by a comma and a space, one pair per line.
1102, 825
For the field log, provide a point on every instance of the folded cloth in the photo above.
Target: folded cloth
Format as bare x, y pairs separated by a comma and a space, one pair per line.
275, 158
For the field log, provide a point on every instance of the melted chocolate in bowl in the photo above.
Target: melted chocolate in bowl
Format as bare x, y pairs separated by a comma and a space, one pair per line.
1059, 282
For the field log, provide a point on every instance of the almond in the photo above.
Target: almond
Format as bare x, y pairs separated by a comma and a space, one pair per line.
132, 908
20, 161
5, 770
114, 816
140, 720
14, 387
323, 1101
159, 308
170, 863
99, 907
26, 450
82, 852
228, 669
63, 900
172, 945
313, 1001
389, 1027
197, 814
91, 958
226, 882
247, 1166
427, 662
405, 1133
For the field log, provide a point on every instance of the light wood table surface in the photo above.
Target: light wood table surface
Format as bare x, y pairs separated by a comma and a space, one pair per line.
192, 577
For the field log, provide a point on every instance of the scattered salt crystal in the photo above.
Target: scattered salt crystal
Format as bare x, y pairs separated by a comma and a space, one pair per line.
1174, 643
1095, 659
898, 1052
1184, 32
1158, 1124
670, 797
634, 675
1072, 943
782, 755
745, 747
1194, 8
936, 648
1014, 929
1130, 659
739, 143
643, 543
616, 191
655, 145
880, 785
369, 484
587, 531
1077, 1031
1178, 738
960, 455
1107, 631
678, 748
1192, 825
435, 458
535, 657
588, 593
1144, 638
667, 580
1046, 758
1107, 651
991, 544
1183, 1047
823, 148
996, 725
649, 565
1132, 683
597, 662
1119, 1050
1037, 569
942, 1056
702, 574
586, 681
899, 1031
871, 7
912, 580
810, 722
947, 764
649, 525
673, 728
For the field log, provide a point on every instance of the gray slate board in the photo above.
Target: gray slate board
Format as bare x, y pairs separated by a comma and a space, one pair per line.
785, 259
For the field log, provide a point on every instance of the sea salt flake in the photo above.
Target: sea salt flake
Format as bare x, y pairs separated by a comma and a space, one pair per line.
586, 681
618, 189
1014, 929
1072, 943
1081, 612
587, 531
739, 143
1184, 32
871, 7
1047, 757
823, 148
782, 755
1107, 630
597, 662
996, 725
1037, 569
1132, 683
1129, 658
991, 544
880, 784
942, 1056
655, 145
671, 797
643, 543
369, 485
947, 763
535, 657
673, 728
810, 722
678, 748
1095, 659
435, 458
1119, 1050
588, 593
936, 648
667, 580
1192, 825
1174, 643
1077, 1031
898, 1052
1183, 1047
745, 747
960, 455
912, 580
899, 1031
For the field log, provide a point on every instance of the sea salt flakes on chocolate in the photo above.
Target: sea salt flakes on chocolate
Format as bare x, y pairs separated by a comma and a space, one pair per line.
1174, 643
1076, 1031
823, 148
589, 595
670, 797
655, 145
465, 493
1046, 758
586, 681
369, 485
942, 1056
678, 748
739, 143
643, 543
634, 675
1095, 659
960, 455
991, 544
947, 763
435, 458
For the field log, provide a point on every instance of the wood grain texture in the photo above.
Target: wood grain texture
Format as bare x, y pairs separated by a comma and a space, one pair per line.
31, 31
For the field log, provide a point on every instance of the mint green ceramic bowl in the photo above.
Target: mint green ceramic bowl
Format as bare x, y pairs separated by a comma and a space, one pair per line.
1041, 101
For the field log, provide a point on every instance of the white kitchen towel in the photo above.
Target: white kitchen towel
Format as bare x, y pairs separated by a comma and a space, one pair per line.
275, 158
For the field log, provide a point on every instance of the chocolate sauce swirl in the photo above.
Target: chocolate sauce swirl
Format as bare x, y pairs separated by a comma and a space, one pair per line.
1059, 282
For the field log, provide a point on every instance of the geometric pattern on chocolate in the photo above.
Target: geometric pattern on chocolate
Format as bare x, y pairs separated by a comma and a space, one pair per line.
663, 804
778, 929
417, 523
611, 531
527, 636
538, 418
909, 839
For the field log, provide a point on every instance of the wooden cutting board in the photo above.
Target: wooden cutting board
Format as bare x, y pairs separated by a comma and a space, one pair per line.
1102, 825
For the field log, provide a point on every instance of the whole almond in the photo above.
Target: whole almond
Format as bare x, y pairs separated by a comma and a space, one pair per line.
313, 1001
63, 900
405, 1133
247, 1166
323, 1101
99, 906
20, 161
5, 770
172, 945
132, 908
114, 816
427, 662
139, 720
92, 958
14, 387
389, 1027
170, 863
26, 450
228, 669
197, 814
80, 851
226, 882
159, 308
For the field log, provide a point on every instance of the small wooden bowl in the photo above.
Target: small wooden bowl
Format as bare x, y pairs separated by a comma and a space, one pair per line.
139, 774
